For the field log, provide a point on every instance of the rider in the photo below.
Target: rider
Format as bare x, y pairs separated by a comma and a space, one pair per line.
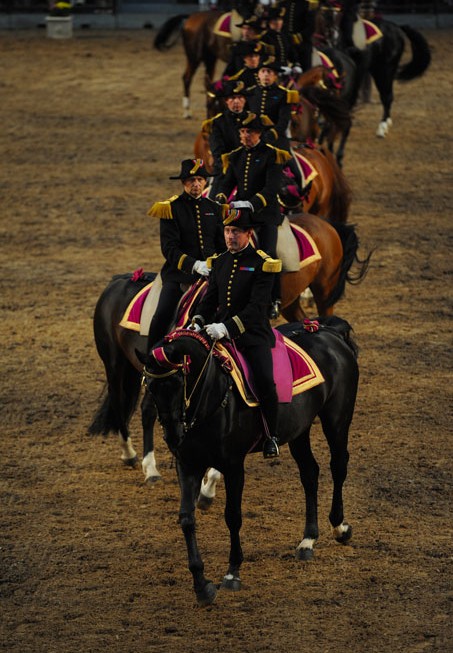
235, 307
255, 169
274, 101
349, 13
191, 230
223, 129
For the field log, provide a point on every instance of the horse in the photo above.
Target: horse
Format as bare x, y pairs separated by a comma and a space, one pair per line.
207, 424
117, 346
201, 45
382, 58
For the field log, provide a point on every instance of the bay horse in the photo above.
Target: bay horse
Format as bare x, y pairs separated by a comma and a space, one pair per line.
207, 424
117, 346
380, 59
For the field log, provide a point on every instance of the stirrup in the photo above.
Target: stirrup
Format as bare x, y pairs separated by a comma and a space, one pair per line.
270, 448
274, 311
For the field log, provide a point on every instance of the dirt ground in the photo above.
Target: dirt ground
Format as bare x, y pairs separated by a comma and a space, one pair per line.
94, 560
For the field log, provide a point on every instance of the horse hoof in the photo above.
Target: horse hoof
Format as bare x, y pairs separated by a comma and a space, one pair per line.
130, 462
204, 502
153, 479
232, 583
305, 554
346, 535
207, 595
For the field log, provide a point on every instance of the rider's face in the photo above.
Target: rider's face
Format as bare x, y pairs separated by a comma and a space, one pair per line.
236, 239
251, 60
235, 103
249, 137
267, 76
194, 186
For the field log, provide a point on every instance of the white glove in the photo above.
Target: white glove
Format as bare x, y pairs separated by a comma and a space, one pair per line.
241, 204
285, 70
193, 326
297, 69
217, 330
201, 267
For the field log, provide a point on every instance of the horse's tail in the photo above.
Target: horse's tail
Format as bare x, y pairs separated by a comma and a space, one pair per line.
112, 414
335, 109
421, 56
168, 34
341, 190
350, 242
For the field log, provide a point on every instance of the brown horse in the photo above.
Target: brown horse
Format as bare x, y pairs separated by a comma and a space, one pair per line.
338, 245
201, 45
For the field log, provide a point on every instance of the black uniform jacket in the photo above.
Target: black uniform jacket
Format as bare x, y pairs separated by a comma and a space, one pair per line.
257, 174
223, 132
190, 230
281, 46
239, 295
275, 102
249, 76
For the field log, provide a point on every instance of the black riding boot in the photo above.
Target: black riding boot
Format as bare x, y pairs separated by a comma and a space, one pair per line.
269, 409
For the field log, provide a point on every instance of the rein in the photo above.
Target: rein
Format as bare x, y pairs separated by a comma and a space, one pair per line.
161, 359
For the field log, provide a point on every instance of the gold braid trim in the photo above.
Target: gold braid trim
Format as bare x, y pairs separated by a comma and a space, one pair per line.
262, 198
181, 260
237, 320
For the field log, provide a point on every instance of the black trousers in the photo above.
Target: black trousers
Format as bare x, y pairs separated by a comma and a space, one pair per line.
261, 364
163, 318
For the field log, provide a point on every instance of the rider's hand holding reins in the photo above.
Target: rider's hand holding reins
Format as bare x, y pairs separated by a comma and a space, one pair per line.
217, 331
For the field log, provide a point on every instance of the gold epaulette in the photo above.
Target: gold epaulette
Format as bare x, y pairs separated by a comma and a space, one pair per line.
206, 125
162, 209
282, 156
226, 159
292, 97
270, 264
266, 121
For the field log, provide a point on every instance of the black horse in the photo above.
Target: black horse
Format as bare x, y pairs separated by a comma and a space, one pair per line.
381, 59
207, 424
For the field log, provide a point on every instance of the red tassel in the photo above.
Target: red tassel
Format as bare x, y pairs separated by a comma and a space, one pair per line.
311, 325
138, 274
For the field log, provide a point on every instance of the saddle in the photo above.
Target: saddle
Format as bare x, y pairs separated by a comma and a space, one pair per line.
294, 370
295, 247
226, 25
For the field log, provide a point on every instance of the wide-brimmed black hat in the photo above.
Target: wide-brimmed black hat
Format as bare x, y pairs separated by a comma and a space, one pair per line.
240, 218
275, 12
254, 22
244, 48
232, 89
192, 168
256, 123
271, 64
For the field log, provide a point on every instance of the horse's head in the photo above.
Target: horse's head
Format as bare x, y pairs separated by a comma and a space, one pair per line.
327, 25
304, 121
171, 373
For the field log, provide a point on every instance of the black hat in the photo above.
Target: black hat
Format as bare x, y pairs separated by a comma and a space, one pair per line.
240, 218
256, 123
232, 89
271, 64
244, 48
254, 22
192, 168
275, 12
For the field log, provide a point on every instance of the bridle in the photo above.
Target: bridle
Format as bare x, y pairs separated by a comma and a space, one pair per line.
184, 367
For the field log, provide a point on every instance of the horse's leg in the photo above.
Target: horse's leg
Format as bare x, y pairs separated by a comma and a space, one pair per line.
383, 79
208, 488
123, 388
293, 312
335, 423
191, 69
189, 484
148, 421
309, 473
234, 485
